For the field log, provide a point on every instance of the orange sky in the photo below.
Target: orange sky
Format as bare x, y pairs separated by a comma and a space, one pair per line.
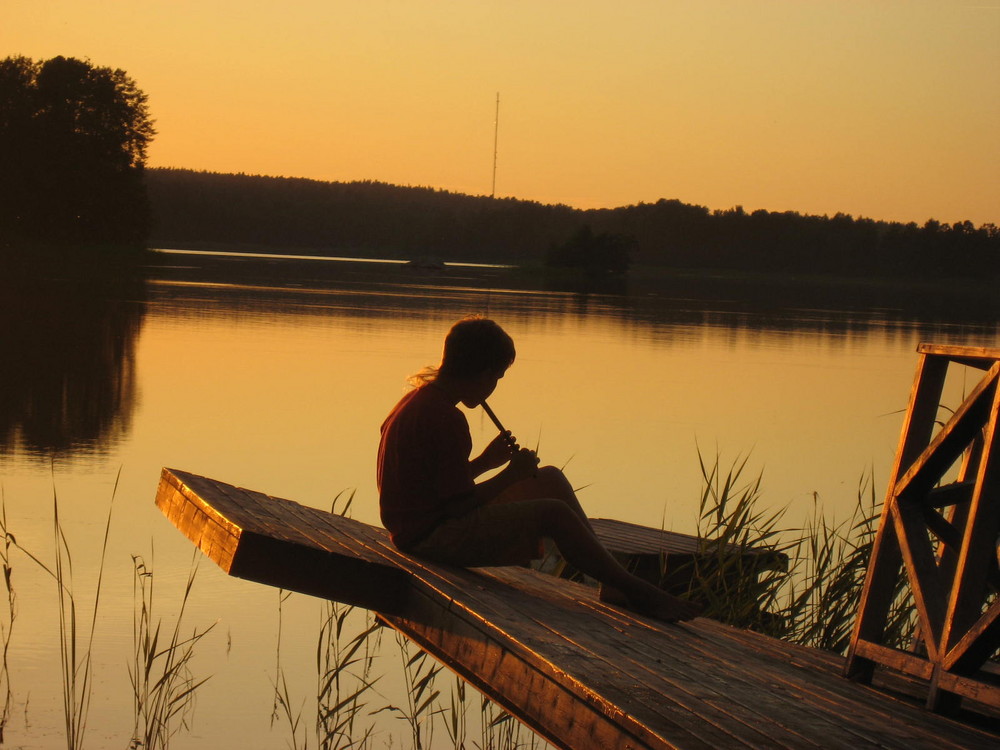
883, 109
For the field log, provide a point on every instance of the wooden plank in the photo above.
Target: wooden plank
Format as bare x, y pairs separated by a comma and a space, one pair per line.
245, 532
550, 697
956, 351
883, 718
525, 683
697, 687
634, 539
902, 661
672, 560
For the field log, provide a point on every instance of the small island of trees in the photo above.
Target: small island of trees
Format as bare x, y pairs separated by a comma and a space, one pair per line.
73, 140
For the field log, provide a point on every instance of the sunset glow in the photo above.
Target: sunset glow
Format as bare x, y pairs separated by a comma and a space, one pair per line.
889, 110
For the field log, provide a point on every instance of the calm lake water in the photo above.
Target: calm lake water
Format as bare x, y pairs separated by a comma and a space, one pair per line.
275, 374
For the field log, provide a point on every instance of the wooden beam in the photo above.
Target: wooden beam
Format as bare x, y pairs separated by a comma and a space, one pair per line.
978, 690
925, 583
886, 558
951, 441
954, 493
981, 357
902, 661
945, 532
978, 644
981, 533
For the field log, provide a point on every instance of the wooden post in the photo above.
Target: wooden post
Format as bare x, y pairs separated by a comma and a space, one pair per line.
918, 424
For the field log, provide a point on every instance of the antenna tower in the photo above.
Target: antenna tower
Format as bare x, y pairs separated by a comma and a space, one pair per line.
496, 133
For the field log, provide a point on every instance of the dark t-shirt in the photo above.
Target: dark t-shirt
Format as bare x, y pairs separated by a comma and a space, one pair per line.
423, 463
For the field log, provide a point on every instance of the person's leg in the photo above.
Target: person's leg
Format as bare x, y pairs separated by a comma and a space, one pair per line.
549, 483
584, 551
558, 515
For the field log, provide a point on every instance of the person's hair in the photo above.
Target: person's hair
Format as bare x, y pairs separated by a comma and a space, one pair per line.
472, 347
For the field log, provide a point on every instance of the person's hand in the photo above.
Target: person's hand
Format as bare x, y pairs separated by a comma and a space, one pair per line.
524, 463
500, 450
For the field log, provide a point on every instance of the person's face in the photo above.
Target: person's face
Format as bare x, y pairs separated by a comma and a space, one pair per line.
482, 388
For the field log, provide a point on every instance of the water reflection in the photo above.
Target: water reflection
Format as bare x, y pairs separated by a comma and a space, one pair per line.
67, 385
654, 305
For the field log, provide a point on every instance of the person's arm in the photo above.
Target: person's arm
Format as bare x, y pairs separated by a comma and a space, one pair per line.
500, 450
523, 465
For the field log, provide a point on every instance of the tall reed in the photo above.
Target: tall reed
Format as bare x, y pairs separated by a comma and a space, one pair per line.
344, 670
9, 615
420, 672
163, 685
813, 600
282, 707
501, 731
75, 653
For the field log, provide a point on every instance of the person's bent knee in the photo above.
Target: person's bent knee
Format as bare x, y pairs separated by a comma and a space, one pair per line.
554, 480
551, 473
554, 515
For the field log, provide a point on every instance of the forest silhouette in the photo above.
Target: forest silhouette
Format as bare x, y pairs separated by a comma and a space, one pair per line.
371, 219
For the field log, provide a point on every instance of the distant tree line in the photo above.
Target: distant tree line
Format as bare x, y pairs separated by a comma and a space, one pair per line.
73, 140
376, 219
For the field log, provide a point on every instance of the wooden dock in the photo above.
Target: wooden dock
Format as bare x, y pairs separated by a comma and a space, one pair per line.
580, 673
672, 560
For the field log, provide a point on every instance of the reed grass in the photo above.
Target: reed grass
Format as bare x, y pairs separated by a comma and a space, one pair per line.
7, 620
75, 650
814, 599
420, 672
456, 722
163, 685
501, 731
344, 672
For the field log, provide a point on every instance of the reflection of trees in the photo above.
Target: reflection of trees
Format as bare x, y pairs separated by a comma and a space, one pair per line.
248, 285
67, 382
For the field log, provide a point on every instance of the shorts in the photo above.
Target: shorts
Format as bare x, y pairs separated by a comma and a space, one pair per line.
491, 535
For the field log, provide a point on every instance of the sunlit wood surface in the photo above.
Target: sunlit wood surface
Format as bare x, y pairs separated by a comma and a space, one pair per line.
580, 673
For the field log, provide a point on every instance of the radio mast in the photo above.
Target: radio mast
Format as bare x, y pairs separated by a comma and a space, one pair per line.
496, 133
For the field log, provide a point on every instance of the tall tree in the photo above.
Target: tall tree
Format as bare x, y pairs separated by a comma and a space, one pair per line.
73, 141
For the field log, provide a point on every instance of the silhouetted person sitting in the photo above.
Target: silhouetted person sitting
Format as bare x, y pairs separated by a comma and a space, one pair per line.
434, 508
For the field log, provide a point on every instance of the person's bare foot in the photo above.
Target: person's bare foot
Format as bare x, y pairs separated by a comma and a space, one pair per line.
651, 602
